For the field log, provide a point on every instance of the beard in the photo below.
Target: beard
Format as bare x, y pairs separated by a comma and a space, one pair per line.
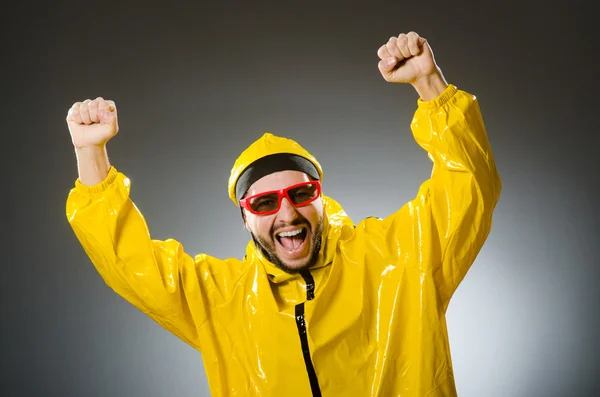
268, 249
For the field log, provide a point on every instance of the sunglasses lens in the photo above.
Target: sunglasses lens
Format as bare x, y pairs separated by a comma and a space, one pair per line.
304, 194
264, 203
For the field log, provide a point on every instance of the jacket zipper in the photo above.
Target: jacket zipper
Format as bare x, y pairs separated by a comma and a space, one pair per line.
301, 324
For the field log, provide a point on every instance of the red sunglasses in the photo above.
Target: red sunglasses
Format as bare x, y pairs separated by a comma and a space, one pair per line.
267, 203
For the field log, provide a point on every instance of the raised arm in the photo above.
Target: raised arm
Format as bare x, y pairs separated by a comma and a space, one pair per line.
441, 231
157, 277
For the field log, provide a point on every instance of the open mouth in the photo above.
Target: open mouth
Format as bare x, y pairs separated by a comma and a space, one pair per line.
293, 241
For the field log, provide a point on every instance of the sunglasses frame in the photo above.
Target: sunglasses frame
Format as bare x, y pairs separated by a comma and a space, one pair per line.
281, 193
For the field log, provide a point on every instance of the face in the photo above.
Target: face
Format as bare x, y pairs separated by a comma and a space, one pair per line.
291, 237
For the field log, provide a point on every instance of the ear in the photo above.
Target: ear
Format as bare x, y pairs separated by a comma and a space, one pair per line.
244, 220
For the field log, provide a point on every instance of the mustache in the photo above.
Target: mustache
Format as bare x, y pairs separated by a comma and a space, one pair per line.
296, 222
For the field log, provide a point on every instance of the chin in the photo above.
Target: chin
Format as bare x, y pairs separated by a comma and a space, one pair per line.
293, 268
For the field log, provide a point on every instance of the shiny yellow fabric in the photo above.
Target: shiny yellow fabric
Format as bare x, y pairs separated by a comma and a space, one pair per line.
376, 326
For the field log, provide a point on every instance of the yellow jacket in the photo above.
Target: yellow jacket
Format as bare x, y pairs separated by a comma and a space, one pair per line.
369, 318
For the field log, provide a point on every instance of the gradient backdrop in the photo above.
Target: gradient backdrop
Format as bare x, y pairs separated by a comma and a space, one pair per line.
195, 84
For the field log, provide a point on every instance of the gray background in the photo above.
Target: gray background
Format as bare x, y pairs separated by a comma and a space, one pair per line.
195, 84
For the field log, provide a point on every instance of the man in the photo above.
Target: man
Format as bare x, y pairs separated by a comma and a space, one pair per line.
319, 305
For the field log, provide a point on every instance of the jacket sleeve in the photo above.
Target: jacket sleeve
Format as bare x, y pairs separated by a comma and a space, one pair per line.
157, 277
444, 227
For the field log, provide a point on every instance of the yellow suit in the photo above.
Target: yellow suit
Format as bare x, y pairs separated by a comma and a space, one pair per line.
369, 317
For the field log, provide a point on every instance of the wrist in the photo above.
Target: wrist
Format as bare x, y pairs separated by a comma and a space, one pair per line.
430, 87
90, 151
92, 163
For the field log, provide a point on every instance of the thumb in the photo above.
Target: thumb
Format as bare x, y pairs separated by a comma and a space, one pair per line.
387, 65
107, 116
107, 113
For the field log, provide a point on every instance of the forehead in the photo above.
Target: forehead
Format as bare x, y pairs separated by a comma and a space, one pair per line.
276, 181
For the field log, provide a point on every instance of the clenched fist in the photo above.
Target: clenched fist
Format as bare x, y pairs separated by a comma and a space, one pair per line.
92, 123
406, 59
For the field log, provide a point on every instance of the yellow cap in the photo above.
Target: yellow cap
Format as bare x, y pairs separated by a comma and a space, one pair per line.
266, 145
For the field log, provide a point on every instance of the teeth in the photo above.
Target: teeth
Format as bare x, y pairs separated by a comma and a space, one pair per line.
290, 234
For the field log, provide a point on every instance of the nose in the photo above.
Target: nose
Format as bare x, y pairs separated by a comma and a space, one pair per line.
287, 212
